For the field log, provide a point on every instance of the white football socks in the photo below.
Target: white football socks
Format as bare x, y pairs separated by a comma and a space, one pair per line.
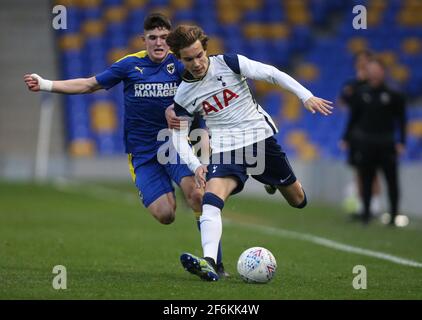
211, 230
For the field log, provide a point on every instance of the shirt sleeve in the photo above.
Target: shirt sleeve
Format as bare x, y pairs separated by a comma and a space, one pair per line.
182, 112
183, 148
261, 71
180, 139
112, 76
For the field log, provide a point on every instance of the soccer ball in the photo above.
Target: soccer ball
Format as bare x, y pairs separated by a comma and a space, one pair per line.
256, 265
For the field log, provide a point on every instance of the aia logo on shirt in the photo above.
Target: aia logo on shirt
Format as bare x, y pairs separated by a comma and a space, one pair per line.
216, 105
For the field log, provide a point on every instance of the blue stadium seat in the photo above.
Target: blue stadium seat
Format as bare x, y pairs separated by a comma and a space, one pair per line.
253, 16
302, 38
279, 52
72, 64
135, 21
158, 3
270, 16
106, 143
259, 49
235, 46
207, 22
272, 103
111, 3
183, 15
116, 35
78, 122
320, 10
92, 13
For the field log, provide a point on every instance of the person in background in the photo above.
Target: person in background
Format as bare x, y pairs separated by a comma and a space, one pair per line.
378, 118
354, 191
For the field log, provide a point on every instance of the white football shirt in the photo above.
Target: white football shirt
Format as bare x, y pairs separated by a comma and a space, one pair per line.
223, 98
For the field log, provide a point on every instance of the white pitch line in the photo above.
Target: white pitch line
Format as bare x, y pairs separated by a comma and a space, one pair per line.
104, 192
95, 191
328, 243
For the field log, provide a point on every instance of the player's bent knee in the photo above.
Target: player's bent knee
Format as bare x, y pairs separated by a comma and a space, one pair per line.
301, 201
302, 204
165, 215
167, 219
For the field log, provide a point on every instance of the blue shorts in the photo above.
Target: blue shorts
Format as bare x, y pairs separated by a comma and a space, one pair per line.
276, 169
154, 179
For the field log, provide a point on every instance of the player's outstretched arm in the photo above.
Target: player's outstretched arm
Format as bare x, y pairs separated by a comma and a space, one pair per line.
260, 71
36, 83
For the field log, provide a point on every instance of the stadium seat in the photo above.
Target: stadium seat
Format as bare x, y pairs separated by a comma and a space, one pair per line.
160, 3
400, 73
357, 44
135, 4
135, 20
215, 46
415, 128
307, 72
181, 4
71, 41
249, 5
388, 57
82, 148
93, 28
103, 117
73, 64
229, 16
115, 54
308, 152
182, 16
135, 43
411, 46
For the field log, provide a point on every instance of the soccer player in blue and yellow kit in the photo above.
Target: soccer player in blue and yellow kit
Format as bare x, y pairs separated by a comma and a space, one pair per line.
150, 80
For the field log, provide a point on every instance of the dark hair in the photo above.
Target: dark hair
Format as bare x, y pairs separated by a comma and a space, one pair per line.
156, 20
184, 36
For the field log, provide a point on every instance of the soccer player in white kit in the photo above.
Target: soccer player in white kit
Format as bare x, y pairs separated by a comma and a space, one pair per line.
216, 88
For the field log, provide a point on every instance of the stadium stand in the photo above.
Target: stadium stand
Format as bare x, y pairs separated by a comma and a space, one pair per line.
311, 39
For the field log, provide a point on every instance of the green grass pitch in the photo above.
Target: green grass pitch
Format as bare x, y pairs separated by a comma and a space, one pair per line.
113, 249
